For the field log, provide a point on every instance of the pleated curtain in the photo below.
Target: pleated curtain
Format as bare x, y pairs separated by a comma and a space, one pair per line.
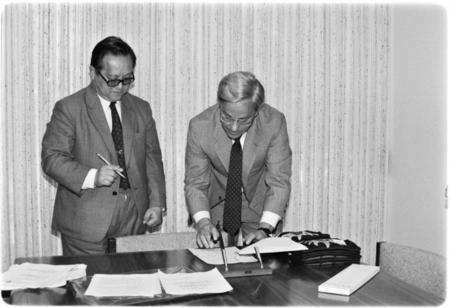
326, 66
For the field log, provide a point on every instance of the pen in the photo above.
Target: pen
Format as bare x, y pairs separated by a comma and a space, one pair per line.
222, 246
107, 162
258, 255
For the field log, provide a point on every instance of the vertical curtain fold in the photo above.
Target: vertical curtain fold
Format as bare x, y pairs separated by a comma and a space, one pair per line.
325, 66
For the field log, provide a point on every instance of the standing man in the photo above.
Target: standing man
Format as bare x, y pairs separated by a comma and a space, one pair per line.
238, 164
102, 148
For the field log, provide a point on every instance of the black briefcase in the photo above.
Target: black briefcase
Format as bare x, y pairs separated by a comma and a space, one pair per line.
323, 250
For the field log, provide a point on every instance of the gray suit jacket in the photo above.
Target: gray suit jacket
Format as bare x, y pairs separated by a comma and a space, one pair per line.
76, 132
266, 165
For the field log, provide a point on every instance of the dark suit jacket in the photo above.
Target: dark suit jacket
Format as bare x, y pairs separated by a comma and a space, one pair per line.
266, 165
76, 132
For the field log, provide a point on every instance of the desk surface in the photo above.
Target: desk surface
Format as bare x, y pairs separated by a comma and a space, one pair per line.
289, 285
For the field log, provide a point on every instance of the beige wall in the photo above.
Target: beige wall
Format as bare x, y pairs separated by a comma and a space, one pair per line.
325, 66
417, 174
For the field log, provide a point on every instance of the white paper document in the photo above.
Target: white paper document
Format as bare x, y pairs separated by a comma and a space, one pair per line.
31, 275
214, 256
194, 283
273, 244
349, 279
103, 285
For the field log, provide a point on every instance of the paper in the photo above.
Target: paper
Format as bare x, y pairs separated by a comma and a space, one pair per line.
124, 285
349, 279
31, 275
273, 244
214, 256
194, 283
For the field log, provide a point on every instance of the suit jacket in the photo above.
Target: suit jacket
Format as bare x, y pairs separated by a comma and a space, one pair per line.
266, 164
76, 132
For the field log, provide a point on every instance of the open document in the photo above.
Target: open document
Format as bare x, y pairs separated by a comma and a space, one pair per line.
272, 245
31, 275
214, 256
149, 285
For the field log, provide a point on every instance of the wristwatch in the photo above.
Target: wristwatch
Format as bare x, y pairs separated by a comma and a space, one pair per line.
267, 231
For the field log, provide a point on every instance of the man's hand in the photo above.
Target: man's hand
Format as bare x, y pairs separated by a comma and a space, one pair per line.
207, 234
153, 217
106, 175
254, 237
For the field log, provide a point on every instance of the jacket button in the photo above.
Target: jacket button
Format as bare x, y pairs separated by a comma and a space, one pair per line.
114, 193
220, 197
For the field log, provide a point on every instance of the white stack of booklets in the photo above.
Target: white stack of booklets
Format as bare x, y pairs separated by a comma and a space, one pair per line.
349, 279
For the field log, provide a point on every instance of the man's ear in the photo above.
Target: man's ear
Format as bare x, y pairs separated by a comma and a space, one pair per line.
92, 72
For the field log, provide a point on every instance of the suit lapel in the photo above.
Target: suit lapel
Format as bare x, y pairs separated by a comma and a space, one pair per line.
250, 148
222, 142
97, 115
127, 125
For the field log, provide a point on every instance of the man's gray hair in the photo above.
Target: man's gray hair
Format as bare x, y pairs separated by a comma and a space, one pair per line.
239, 86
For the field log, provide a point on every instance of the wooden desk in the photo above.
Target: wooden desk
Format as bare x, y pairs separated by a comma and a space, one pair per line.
289, 285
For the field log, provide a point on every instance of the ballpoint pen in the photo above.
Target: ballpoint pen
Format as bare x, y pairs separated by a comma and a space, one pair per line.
222, 246
109, 164
258, 255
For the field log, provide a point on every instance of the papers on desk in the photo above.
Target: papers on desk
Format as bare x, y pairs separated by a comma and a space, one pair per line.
272, 245
150, 284
124, 285
31, 275
194, 283
214, 256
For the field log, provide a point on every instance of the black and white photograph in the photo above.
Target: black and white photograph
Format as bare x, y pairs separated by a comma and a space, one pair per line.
224, 153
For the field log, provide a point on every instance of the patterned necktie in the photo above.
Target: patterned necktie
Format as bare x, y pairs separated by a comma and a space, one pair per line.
117, 136
233, 194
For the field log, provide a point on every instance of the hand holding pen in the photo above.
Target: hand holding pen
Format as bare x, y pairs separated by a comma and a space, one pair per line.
107, 174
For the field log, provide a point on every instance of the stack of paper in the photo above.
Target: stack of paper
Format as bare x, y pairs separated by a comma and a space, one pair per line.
30, 275
349, 279
214, 255
272, 245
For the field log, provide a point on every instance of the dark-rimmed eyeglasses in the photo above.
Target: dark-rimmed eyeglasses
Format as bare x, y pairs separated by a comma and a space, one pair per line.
226, 119
112, 83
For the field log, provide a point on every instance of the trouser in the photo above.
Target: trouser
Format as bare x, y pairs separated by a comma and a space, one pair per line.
125, 221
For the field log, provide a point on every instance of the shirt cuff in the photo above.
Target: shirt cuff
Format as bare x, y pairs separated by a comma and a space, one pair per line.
200, 215
89, 180
270, 218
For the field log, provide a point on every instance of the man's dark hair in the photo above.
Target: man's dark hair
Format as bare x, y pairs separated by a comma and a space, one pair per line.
111, 45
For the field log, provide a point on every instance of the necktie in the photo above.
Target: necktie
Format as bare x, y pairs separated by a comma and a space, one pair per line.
117, 136
233, 194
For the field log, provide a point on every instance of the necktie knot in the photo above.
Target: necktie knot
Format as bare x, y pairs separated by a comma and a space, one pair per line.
112, 105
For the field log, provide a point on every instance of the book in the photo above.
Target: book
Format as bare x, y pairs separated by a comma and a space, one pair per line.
349, 279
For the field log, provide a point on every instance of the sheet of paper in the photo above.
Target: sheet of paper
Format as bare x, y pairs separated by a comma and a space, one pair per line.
214, 255
124, 285
273, 244
31, 275
194, 283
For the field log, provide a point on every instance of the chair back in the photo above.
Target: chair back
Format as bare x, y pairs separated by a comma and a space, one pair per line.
421, 268
153, 241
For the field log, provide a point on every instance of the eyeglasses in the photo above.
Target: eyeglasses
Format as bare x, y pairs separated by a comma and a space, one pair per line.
226, 119
112, 83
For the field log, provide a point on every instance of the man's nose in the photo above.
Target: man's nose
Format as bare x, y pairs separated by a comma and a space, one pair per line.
234, 126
